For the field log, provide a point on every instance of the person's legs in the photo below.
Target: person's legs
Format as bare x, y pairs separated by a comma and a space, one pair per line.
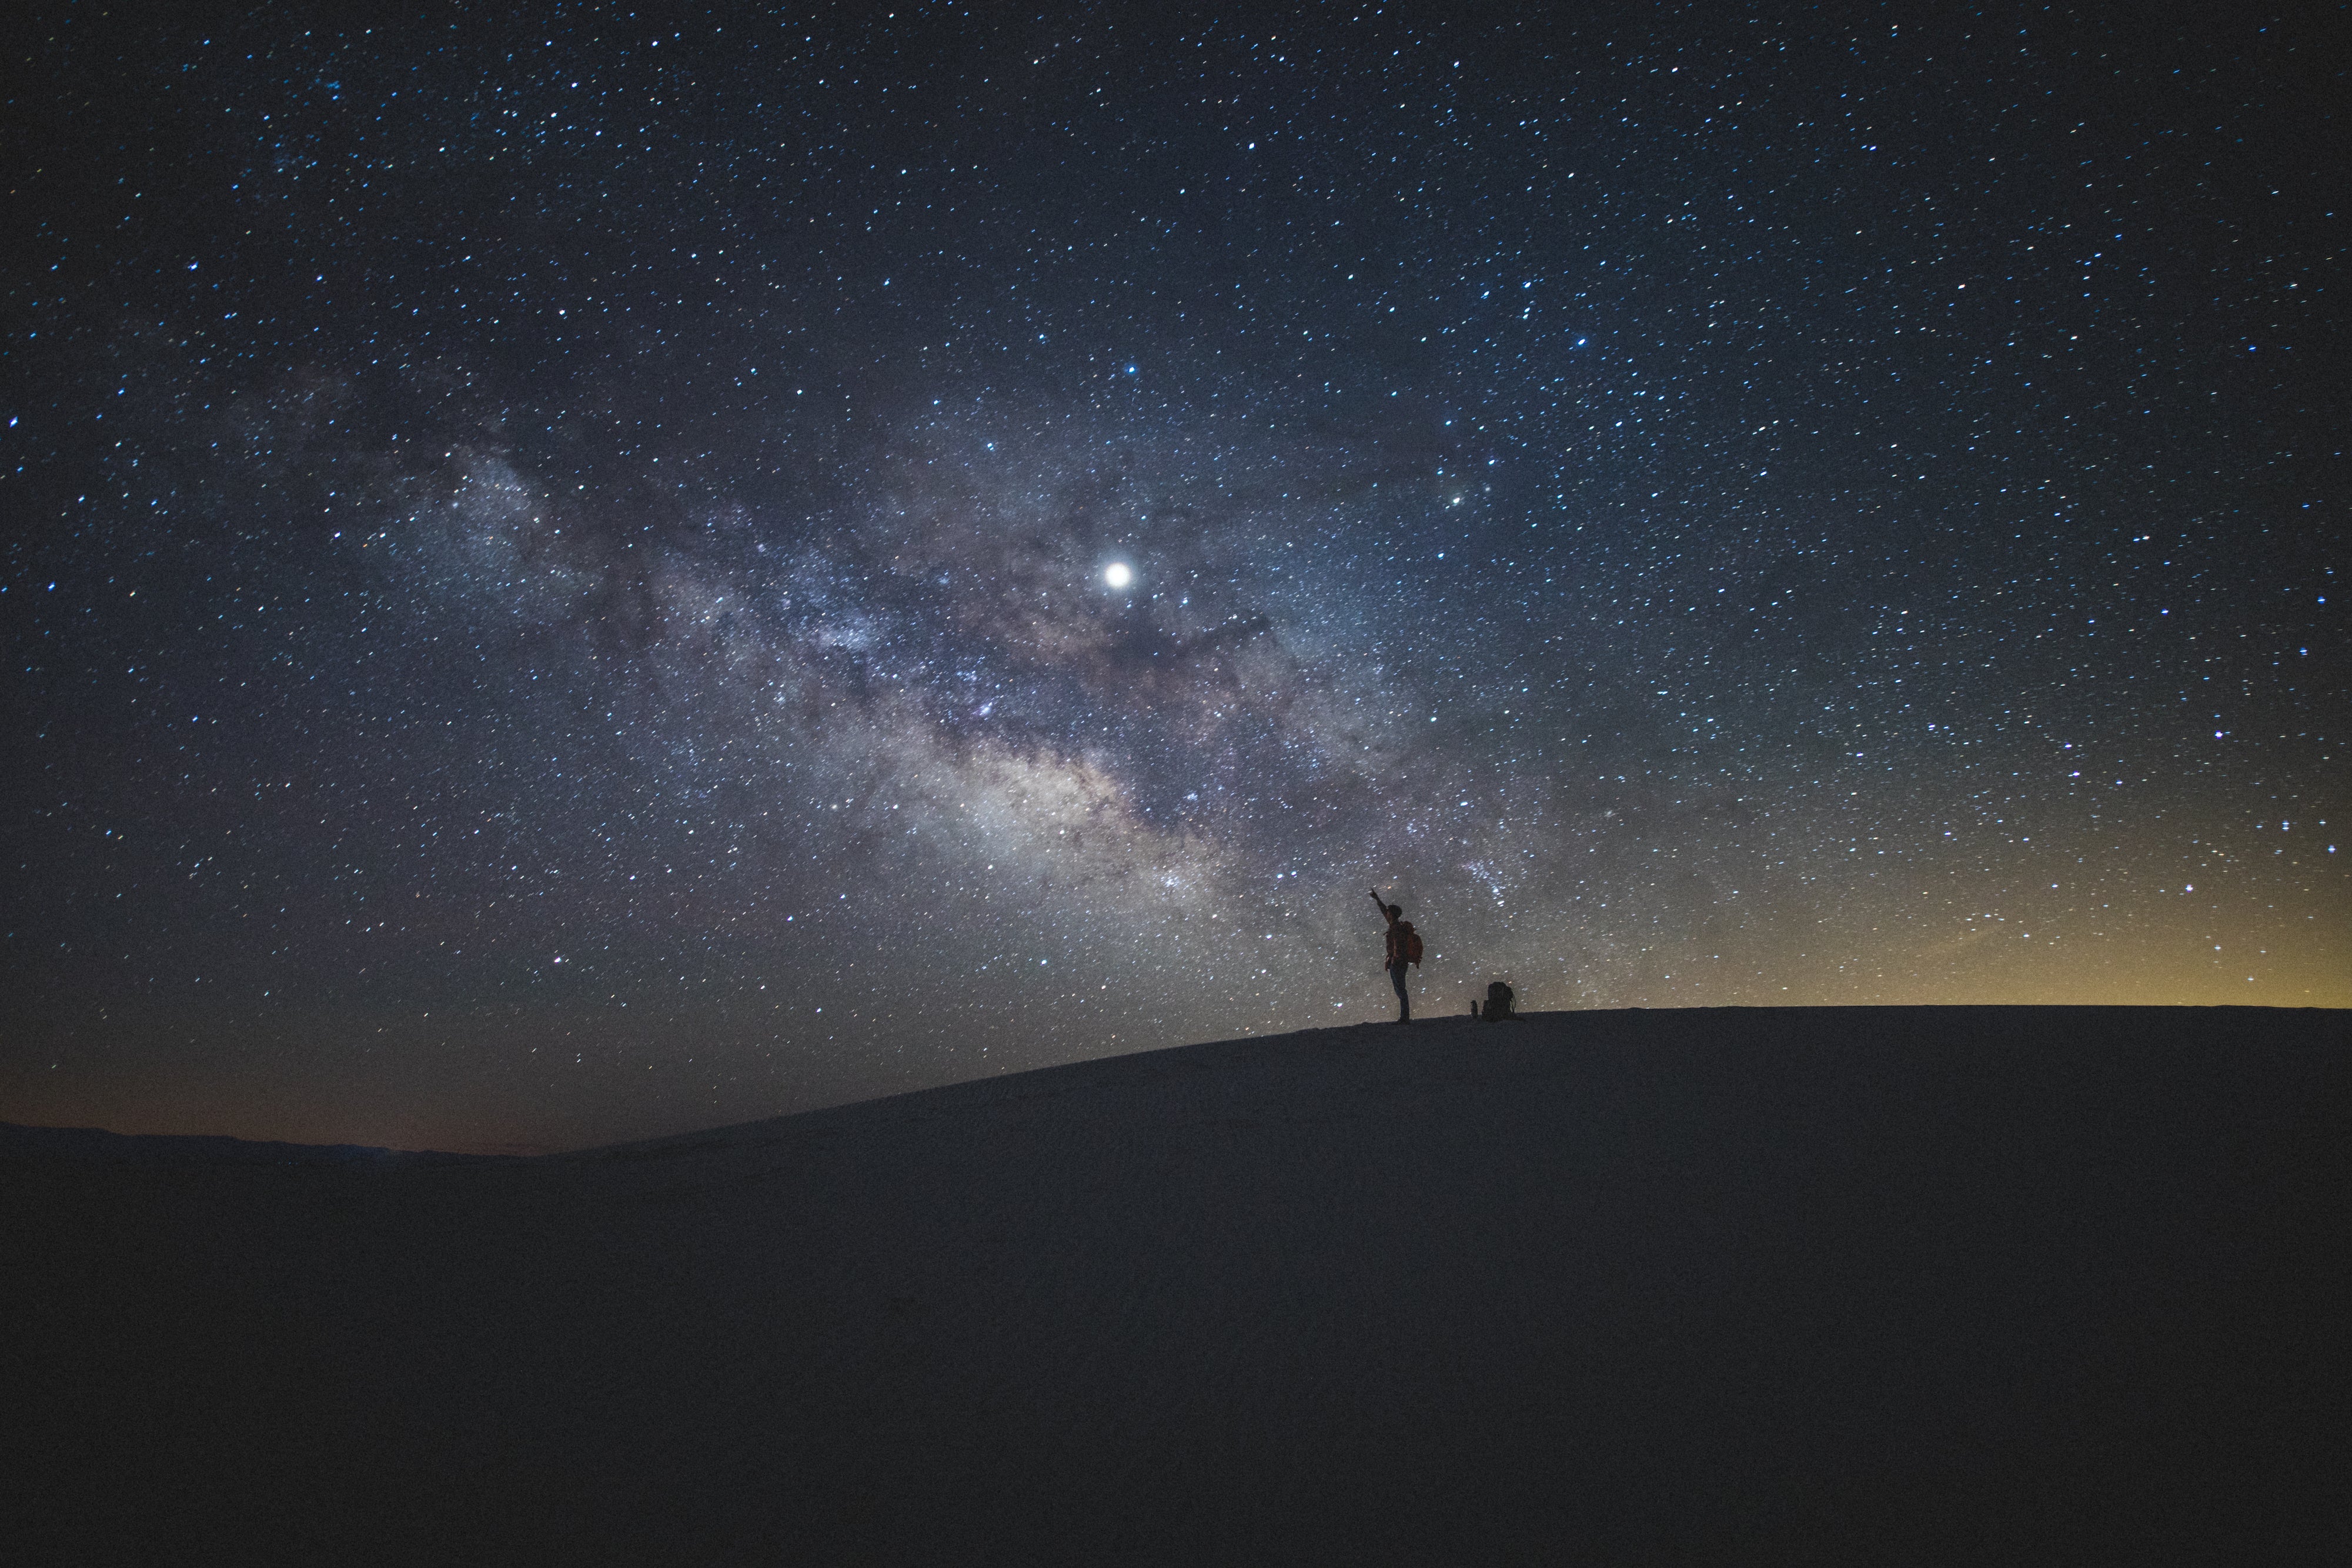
1404, 1002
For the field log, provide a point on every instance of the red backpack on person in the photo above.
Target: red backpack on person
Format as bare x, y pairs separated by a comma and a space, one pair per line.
1403, 941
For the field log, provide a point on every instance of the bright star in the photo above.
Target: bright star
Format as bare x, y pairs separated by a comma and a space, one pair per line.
1117, 575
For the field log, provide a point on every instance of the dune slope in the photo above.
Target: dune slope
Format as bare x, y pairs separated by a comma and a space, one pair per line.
1860, 1285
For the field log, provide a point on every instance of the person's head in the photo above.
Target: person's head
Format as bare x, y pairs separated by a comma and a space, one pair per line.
1396, 912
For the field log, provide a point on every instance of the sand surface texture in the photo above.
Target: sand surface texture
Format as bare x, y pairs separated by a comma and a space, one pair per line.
1870, 1285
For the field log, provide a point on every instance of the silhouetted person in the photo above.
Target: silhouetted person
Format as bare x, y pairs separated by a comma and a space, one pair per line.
1404, 951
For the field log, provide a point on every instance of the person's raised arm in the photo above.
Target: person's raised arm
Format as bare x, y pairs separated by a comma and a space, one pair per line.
1380, 904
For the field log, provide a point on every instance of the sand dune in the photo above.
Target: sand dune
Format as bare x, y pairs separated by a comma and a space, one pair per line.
1870, 1285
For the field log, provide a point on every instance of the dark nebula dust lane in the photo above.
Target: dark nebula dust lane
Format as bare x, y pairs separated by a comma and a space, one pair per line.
577, 576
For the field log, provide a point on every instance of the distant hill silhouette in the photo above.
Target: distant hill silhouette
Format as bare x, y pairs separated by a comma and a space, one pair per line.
18, 1141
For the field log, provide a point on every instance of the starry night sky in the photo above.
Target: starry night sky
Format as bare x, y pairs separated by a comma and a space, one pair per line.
559, 568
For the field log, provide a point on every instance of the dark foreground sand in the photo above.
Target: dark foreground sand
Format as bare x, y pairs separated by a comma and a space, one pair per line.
1876, 1286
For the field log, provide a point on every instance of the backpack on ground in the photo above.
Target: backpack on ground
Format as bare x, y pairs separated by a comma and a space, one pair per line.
1499, 998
